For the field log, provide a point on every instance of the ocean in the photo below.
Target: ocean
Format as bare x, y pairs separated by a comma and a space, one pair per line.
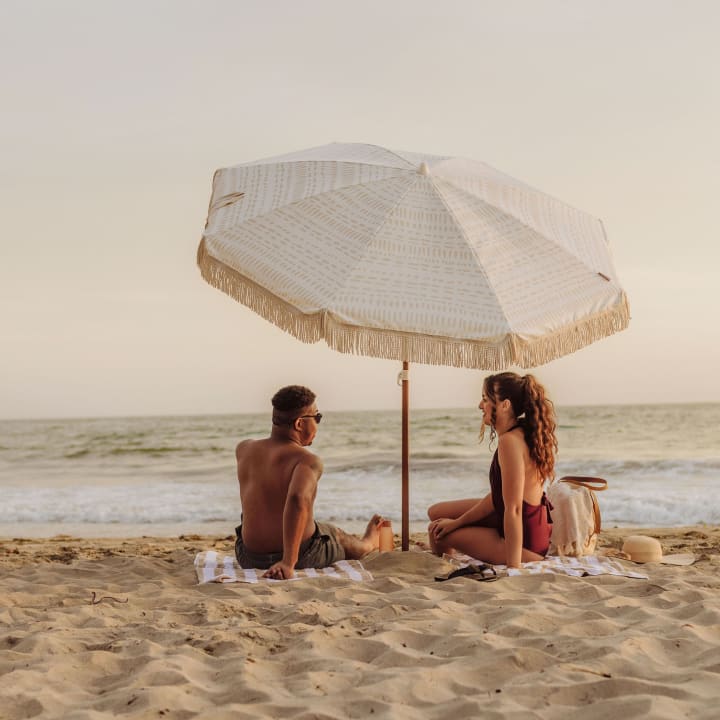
111, 477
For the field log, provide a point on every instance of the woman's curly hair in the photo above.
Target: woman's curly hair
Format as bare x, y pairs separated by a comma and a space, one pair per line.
534, 411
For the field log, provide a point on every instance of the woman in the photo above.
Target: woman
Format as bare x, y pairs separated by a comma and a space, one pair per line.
511, 524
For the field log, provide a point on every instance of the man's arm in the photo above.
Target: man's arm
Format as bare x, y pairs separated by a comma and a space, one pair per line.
298, 509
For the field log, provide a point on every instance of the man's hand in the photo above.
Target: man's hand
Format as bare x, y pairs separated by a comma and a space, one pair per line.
280, 571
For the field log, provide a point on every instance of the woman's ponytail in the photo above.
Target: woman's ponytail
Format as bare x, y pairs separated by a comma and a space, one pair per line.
540, 427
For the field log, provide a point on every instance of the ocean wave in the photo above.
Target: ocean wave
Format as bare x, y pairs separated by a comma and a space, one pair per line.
151, 451
347, 498
661, 509
168, 449
640, 470
158, 503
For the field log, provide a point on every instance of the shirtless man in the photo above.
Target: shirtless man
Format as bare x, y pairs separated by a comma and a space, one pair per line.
278, 481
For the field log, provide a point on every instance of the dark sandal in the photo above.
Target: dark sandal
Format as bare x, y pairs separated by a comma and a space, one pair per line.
476, 571
487, 574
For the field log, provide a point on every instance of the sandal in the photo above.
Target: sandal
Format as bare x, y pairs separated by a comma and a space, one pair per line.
487, 574
480, 573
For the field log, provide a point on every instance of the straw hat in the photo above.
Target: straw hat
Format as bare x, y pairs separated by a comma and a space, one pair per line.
643, 549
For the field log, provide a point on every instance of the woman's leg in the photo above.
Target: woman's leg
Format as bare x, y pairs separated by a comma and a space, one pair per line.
481, 543
451, 508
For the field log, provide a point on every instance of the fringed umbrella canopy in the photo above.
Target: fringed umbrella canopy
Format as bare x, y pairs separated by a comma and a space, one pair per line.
413, 257
410, 257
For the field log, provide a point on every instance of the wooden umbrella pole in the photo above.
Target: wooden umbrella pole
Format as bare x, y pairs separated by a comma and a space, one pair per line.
405, 456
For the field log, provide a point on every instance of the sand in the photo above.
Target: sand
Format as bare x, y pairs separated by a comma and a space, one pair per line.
401, 646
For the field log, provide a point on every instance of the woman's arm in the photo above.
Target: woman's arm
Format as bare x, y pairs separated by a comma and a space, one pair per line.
477, 512
512, 467
444, 526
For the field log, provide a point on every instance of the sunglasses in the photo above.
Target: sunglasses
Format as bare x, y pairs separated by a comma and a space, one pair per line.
317, 416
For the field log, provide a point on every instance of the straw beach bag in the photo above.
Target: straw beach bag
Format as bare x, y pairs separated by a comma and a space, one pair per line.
575, 515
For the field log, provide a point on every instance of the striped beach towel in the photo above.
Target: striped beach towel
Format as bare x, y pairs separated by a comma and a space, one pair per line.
556, 565
210, 566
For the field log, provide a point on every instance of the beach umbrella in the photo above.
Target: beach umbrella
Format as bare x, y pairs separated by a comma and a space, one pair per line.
410, 257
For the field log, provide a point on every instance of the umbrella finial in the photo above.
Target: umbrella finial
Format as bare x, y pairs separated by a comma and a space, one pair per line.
423, 169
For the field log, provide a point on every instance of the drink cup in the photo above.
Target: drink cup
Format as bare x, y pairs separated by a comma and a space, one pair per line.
387, 542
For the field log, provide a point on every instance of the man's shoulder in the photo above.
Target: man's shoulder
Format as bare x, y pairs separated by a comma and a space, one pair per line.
243, 445
307, 457
289, 451
253, 447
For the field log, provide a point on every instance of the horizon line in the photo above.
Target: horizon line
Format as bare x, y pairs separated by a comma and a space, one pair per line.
50, 418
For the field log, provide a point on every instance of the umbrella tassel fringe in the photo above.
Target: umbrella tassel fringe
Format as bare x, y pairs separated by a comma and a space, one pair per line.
306, 328
512, 350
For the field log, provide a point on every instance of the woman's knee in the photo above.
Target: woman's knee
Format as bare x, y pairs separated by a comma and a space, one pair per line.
434, 512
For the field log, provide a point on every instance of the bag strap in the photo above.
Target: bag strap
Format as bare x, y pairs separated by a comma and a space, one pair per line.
594, 485
591, 483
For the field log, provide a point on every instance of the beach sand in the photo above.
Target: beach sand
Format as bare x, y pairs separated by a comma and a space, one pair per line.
401, 646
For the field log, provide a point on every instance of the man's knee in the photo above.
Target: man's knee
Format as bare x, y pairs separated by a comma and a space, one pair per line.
342, 538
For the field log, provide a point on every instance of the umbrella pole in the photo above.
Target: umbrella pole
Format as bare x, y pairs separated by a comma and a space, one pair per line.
405, 456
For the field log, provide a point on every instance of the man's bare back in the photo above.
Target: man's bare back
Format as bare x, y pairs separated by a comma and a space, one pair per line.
266, 469
278, 480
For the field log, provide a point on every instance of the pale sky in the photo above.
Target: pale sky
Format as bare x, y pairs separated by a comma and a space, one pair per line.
114, 116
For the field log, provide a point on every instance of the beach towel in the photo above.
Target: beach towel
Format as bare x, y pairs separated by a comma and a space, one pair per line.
210, 566
556, 565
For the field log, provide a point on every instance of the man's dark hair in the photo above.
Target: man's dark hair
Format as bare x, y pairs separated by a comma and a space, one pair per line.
290, 399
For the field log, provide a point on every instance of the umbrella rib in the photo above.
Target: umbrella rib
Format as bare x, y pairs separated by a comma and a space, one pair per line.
336, 162
516, 219
277, 160
411, 176
469, 245
373, 237
393, 152
510, 180
402, 172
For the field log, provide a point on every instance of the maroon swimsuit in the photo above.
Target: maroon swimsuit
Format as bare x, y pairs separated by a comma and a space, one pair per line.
536, 519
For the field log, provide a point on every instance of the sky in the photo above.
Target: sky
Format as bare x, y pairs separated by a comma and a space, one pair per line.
114, 116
